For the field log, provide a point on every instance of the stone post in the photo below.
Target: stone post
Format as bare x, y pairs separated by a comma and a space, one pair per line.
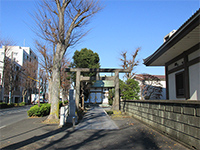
78, 73
72, 107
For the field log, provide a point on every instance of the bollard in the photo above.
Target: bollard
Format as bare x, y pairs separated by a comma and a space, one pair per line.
62, 116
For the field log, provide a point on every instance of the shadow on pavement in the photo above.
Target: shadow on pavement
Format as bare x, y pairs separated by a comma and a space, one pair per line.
66, 138
35, 139
130, 135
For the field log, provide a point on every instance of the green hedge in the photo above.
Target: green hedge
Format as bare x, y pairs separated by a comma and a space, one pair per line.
43, 110
7, 105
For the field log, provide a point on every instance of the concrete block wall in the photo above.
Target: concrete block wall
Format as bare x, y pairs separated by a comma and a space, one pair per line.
178, 119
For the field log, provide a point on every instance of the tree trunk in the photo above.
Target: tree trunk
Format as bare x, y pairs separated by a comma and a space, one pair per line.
49, 89
55, 87
55, 94
24, 94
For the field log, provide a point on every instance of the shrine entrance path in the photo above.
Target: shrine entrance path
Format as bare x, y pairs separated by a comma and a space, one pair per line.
96, 119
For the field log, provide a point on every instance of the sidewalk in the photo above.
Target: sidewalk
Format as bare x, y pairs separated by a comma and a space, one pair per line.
96, 119
127, 133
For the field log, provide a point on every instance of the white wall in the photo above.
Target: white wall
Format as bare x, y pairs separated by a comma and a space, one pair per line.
194, 81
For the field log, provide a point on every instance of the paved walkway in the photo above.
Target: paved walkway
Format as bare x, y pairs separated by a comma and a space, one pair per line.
31, 134
96, 119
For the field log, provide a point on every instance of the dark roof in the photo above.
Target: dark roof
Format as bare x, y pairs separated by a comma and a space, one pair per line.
190, 24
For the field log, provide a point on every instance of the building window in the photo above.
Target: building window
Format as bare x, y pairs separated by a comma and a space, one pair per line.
180, 91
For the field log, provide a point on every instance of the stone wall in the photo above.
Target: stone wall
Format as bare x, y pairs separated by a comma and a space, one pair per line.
178, 119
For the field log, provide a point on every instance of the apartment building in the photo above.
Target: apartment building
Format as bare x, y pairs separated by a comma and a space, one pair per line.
18, 56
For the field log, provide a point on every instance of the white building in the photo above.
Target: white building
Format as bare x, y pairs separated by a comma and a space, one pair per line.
180, 54
155, 84
20, 56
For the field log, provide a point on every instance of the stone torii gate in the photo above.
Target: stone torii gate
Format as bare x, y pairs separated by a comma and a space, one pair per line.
97, 70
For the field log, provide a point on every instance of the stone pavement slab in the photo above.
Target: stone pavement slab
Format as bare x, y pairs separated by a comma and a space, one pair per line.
96, 119
31, 134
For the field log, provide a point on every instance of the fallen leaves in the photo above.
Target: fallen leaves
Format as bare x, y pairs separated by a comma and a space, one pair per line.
131, 124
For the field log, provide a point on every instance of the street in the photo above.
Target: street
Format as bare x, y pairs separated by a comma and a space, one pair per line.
11, 115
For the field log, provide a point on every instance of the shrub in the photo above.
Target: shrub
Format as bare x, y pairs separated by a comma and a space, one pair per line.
66, 102
16, 104
43, 110
3, 105
22, 104
11, 105
33, 111
111, 96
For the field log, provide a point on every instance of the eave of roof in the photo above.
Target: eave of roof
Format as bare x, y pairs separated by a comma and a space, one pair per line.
188, 26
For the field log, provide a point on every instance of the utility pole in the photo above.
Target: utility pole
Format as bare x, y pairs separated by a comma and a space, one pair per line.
11, 79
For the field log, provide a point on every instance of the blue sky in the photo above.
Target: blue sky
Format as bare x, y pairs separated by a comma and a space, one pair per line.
123, 25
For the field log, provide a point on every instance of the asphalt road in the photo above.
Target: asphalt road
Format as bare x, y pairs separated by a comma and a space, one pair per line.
12, 115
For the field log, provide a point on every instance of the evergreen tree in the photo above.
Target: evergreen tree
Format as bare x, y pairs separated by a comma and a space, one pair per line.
129, 89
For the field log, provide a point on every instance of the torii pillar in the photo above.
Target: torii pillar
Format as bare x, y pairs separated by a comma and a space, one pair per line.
116, 101
77, 95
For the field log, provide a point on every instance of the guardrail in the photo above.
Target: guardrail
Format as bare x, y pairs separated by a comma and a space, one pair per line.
64, 111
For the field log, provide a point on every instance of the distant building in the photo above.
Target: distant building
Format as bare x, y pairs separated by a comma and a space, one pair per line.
155, 90
98, 91
20, 56
180, 54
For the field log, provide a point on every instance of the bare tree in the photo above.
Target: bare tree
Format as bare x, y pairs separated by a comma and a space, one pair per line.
5, 62
65, 80
61, 24
129, 63
46, 63
29, 74
43, 82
